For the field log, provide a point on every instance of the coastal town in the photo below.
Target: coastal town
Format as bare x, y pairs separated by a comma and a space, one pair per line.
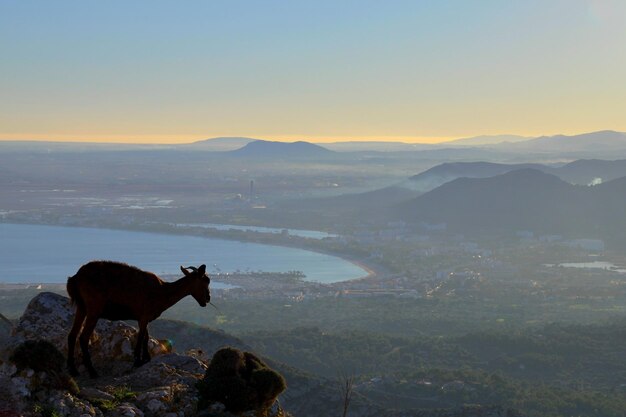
397, 260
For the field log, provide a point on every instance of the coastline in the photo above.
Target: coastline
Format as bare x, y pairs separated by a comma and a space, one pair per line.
371, 270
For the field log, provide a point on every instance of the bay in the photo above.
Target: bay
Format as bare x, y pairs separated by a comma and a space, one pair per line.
50, 254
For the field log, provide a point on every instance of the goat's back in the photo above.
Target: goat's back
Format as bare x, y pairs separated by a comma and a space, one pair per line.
112, 282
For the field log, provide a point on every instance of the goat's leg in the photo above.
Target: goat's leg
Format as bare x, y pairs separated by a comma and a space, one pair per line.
79, 317
141, 334
88, 328
145, 353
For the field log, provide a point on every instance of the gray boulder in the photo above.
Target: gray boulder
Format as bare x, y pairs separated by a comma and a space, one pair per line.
164, 387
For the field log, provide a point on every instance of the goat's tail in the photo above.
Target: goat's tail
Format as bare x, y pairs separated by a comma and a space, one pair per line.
72, 291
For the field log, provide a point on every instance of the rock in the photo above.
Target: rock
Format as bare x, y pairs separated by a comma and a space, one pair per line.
20, 387
69, 406
7, 369
90, 393
156, 374
164, 387
126, 410
155, 400
184, 362
6, 326
10, 404
49, 316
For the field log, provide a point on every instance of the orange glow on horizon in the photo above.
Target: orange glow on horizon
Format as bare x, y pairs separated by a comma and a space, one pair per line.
182, 139
146, 139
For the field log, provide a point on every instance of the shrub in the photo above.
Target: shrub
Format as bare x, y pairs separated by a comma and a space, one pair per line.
43, 356
123, 393
46, 411
239, 380
38, 355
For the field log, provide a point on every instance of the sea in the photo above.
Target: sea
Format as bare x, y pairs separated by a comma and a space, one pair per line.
50, 254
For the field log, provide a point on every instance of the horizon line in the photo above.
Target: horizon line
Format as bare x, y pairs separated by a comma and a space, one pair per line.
190, 139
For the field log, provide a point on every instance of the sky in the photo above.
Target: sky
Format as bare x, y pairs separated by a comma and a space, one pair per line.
412, 71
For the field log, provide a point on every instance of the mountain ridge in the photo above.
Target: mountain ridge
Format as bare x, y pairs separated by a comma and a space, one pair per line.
273, 149
602, 140
222, 143
525, 199
483, 140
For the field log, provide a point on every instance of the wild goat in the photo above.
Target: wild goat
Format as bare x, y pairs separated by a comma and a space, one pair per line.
116, 291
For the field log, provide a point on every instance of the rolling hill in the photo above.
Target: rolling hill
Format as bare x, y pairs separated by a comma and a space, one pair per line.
443, 173
585, 171
281, 150
525, 199
582, 172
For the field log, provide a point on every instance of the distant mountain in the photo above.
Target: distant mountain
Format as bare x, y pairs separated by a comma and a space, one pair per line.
606, 140
380, 201
220, 144
279, 150
214, 144
583, 172
487, 140
48, 147
381, 146
364, 146
443, 173
586, 171
525, 199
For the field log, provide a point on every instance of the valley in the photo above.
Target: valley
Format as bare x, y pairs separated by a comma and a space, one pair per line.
467, 296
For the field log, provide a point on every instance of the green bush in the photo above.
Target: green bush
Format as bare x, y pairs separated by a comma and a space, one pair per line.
268, 383
239, 380
46, 411
123, 393
38, 355
43, 356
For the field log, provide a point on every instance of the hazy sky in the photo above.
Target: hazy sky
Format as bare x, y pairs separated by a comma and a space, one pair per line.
178, 71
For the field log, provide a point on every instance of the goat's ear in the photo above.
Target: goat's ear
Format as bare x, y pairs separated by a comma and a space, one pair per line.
184, 270
202, 269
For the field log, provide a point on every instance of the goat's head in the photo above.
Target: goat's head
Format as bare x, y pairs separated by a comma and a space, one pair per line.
200, 283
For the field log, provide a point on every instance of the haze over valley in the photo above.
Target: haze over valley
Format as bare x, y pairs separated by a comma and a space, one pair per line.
313, 209
471, 247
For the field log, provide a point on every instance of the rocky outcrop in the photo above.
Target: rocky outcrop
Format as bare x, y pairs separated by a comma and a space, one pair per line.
49, 316
164, 387
6, 326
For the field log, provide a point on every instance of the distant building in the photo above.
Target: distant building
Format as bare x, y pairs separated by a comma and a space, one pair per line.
434, 227
594, 245
550, 238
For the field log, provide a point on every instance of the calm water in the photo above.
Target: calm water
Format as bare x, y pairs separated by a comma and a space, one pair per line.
311, 234
35, 253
